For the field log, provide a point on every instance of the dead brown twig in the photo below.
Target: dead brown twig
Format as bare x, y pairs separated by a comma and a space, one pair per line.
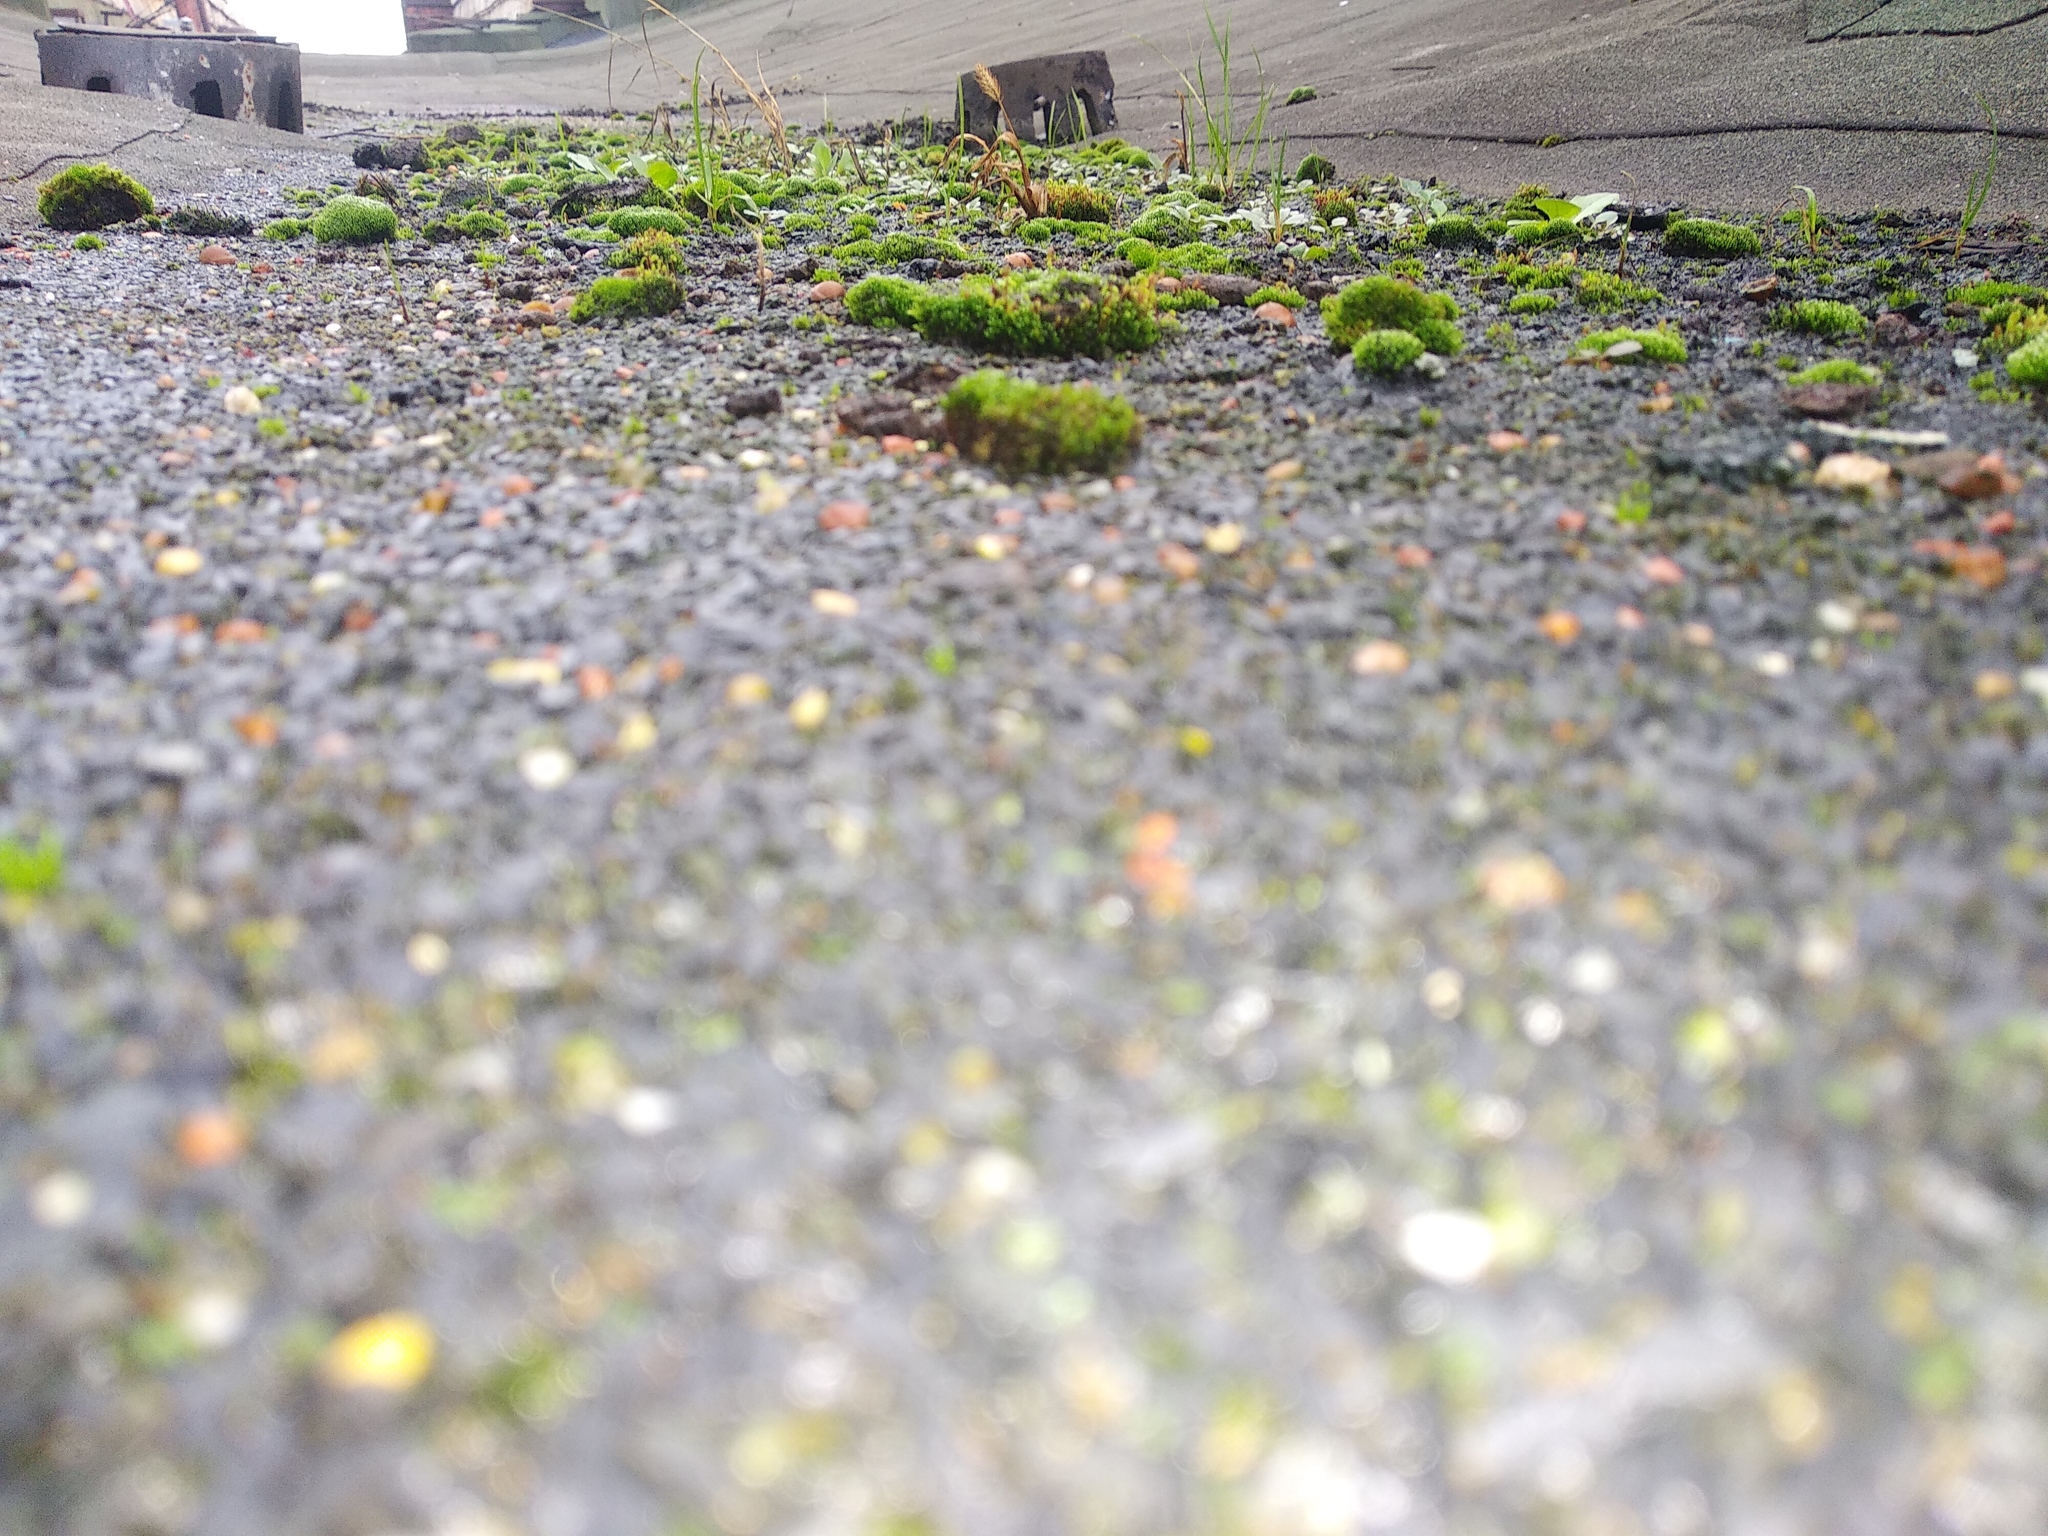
761, 272
1031, 198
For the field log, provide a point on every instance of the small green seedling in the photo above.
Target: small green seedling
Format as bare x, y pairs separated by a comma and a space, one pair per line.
31, 869
1979, 190
1548, 217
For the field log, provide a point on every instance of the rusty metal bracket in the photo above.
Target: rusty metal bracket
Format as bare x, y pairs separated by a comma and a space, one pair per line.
238, 76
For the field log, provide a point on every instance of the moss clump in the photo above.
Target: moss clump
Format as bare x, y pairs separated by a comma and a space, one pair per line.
1521, 273
1710, 239
1389, 304
2029, 366
1165, 224
1041, 232
1386, 353
2013, 326
1188, 299
1836, 370
1035, 429
628, 222
92, 197
1276, 293
655, 251
285, 229
886, 301
1456, 232
1314, 168
88, 243
1604, 292
1659, 346
1545, 232
1336, 204
1043, 314
1078, 203
1822, 317
1532, 303
628, 298
1195, 256
478, 224
355, 221
1983, 294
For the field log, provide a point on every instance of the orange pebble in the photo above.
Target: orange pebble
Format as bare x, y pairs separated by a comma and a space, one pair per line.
210, 1138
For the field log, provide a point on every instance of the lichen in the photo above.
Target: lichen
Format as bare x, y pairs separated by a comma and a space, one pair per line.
1390, 304
1710, 239
1027, 428
84, 197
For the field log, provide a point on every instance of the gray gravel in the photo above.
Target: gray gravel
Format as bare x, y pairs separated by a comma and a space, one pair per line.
897, 1126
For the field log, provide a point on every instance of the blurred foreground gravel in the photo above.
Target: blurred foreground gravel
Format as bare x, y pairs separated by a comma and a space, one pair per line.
1052, 1035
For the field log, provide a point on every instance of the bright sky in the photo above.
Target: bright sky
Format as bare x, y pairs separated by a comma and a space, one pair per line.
326, 26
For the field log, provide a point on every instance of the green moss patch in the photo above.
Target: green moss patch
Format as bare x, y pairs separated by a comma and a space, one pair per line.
628, 298
1276, 293
2029, 365
1390, 304
1545, 232
1315, 168
1821, 317
1078, 203
1035, 429
628, 222
886, 301
1533, 303
1456, 232
355, 221
1606, 293
1024, 314
1662, 345
478, 224
1710, 239
286, 229
92, 197
1386, 353
1835, 370
1043, 314
1165, 224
